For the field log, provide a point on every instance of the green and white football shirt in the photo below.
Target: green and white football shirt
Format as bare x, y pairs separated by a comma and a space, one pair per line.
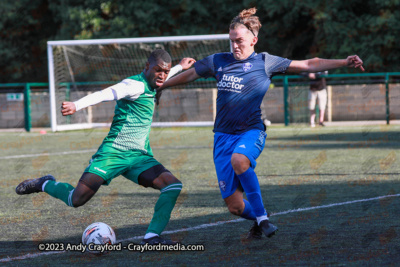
134, 110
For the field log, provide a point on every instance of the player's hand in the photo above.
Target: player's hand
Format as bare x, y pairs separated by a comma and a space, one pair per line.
187, 62
68, 108
354, 62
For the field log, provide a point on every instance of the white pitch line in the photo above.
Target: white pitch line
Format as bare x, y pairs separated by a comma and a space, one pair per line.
333, 205
30, 256
49, 154
207, 225
92, 150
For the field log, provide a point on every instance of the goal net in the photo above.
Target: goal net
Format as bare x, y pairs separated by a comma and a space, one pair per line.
80, 67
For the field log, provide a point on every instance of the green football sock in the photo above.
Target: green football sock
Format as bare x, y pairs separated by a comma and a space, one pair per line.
164, 207
62, 191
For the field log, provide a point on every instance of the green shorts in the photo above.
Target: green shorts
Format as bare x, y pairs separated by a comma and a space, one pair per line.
109, 163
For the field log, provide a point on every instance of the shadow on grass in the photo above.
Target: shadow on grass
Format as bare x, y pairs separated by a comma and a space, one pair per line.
350, 140
340, 234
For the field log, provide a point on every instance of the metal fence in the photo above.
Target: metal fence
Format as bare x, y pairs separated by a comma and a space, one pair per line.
362, 96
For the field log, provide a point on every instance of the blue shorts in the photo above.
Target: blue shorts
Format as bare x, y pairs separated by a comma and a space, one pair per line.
250, 144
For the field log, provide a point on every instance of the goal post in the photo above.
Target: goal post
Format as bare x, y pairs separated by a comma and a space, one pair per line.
80, 67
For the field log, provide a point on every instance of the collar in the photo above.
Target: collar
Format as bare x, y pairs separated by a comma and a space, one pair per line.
249, 57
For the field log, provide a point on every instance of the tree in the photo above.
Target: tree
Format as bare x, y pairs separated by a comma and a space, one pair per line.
292, 29
25, 25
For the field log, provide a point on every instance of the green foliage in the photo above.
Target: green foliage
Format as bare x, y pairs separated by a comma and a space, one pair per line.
25, 27
292, 29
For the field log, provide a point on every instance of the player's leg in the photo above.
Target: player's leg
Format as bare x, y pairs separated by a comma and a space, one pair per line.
157, 177
103, 167
322, 99
73, 197
239, 206
170, 188
228, 181
243, 162
87, 186
229, 184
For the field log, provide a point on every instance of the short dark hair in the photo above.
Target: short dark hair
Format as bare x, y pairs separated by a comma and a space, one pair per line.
159, 54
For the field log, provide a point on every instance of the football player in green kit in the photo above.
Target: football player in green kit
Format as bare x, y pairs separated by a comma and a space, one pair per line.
126, 149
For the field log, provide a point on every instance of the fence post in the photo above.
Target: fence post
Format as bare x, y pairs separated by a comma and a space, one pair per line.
286, 100
387, 99
27, 107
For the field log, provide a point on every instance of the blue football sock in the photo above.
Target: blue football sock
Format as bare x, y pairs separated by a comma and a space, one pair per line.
251, 187
248, 212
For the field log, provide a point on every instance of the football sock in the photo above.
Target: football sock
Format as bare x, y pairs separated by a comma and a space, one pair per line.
163, 208
262, 218
248, 212
249, 182
62, 191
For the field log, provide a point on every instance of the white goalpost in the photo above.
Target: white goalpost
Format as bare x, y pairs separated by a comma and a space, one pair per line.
81, 67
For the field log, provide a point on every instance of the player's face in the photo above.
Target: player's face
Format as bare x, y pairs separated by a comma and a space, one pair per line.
157, 73
242, 41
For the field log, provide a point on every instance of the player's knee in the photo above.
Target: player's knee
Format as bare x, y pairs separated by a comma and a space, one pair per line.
165, 179
77, 202
172, 180
235, 210
172, 189
240, 163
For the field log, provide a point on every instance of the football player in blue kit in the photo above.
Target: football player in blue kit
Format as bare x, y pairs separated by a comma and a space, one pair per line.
243, 78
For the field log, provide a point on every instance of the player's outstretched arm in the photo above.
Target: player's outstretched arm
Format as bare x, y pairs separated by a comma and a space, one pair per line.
126, 88
182, 78
320, 64
69, 108
187, 62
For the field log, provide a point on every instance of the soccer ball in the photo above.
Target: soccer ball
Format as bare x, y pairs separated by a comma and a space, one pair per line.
98, 233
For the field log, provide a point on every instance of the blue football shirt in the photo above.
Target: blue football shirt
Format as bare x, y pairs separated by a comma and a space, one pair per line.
241, 86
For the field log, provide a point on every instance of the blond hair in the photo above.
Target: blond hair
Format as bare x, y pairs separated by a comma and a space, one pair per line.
247, 18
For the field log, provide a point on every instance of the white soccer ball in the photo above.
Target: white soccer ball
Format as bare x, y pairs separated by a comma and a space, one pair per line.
98, 233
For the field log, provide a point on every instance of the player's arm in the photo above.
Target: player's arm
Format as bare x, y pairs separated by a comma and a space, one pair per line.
182, 78
126, 88
185, 64
319, 64
118, 91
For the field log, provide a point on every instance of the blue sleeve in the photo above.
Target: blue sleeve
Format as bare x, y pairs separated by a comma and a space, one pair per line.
205, 67
275, 64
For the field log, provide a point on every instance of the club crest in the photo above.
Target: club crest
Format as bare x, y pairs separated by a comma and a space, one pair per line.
247, 66
222, 185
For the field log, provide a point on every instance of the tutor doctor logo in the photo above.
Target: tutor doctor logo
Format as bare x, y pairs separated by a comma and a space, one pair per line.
230, 83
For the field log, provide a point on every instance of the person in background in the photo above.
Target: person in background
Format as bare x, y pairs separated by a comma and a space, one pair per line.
317, 92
